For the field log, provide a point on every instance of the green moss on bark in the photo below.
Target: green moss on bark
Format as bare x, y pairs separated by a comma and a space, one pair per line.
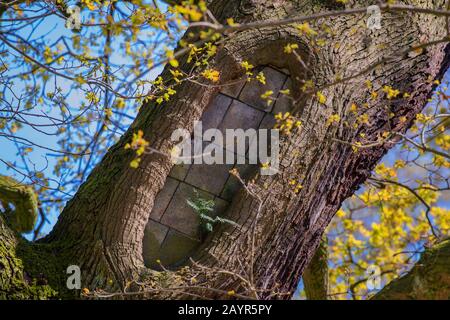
29, 270
16, 283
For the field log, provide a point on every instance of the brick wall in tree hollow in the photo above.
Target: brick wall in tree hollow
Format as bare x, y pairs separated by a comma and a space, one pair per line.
173, 230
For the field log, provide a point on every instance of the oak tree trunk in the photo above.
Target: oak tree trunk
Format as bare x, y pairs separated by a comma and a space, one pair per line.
102, 228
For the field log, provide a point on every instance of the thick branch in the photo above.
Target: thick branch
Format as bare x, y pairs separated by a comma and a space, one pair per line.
315, 276
428, 279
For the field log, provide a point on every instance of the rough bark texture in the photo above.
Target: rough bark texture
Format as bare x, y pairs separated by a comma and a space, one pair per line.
102, 227
429, 279
23, 270
24, 201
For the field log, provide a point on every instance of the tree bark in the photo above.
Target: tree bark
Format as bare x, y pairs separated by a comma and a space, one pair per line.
429, 279
315, 276
24, 268
101, 229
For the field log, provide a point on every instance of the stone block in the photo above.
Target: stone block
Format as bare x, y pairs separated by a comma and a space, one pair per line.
175, 250
240, 116
215, 112
284, 102
179, 171
268, 121
251, 94
154, 235
163, 198
233, 89
179, 215
209, 177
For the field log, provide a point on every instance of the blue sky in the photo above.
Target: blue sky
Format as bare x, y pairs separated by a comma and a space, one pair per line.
41, 159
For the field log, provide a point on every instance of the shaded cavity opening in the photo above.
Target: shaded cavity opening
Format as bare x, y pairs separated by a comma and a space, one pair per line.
175, 230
